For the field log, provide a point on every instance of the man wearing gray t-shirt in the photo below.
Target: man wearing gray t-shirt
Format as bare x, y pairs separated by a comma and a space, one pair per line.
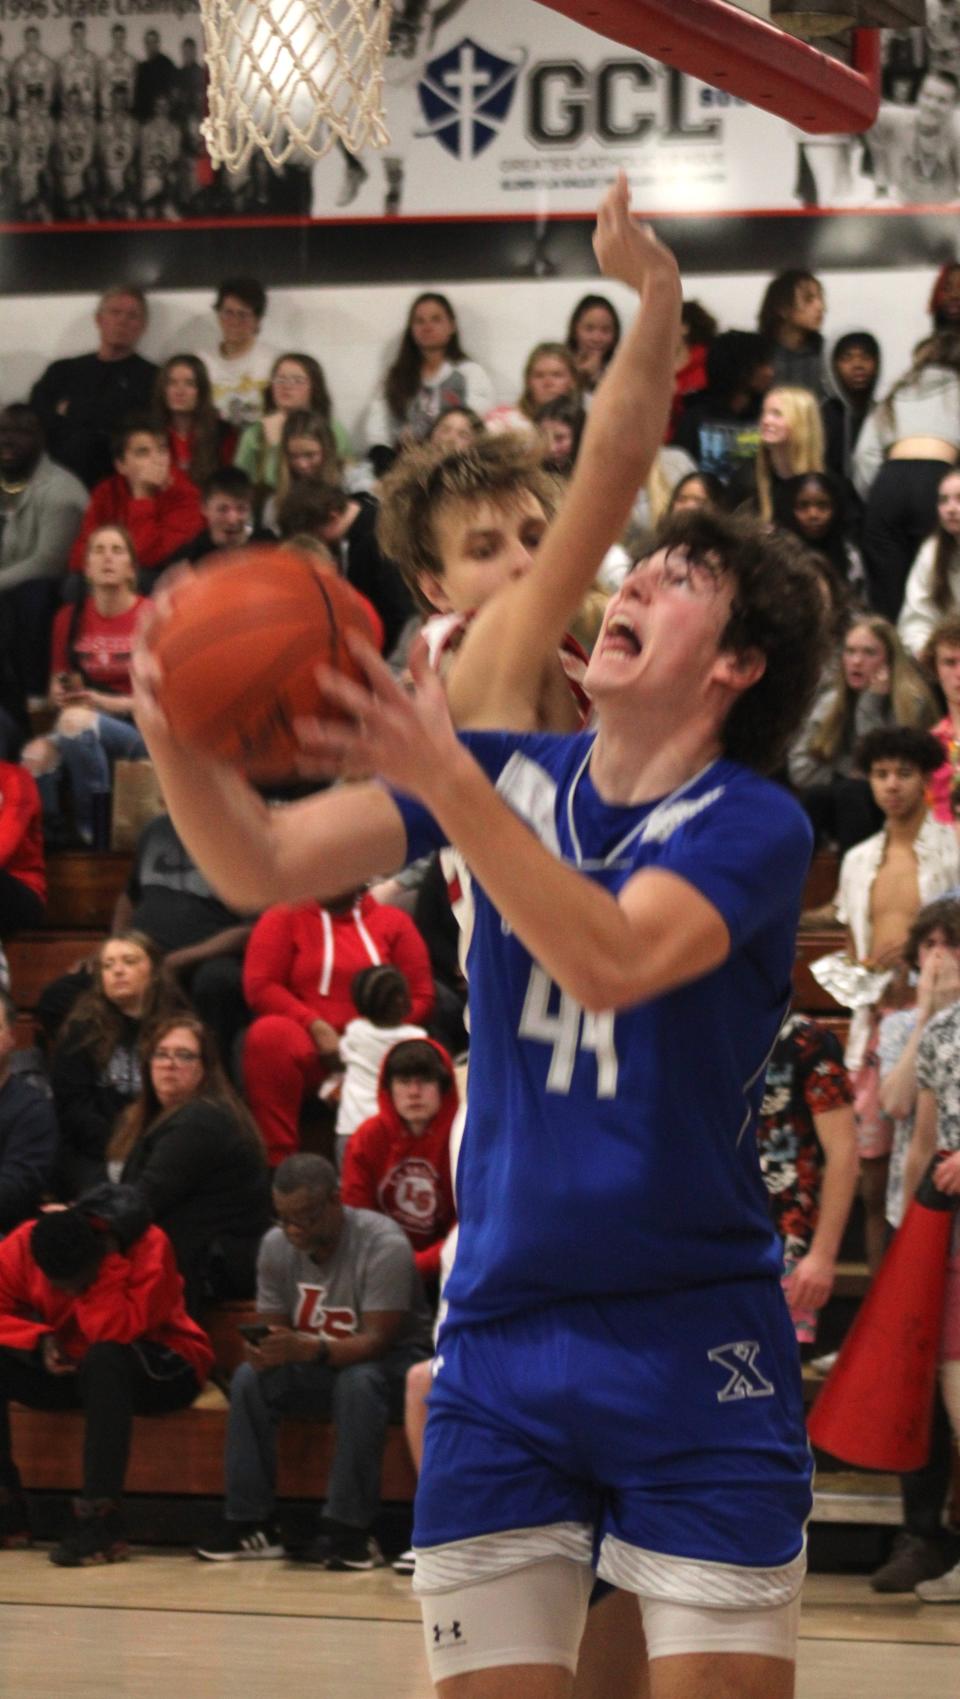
340, 1298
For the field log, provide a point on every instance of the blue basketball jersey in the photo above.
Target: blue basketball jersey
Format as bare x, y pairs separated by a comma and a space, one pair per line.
615, 1154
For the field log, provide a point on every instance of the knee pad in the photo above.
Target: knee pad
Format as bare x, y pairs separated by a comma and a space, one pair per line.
533, 1615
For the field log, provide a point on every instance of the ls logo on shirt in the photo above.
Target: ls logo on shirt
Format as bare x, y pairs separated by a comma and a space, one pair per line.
740, 1361
313, 1316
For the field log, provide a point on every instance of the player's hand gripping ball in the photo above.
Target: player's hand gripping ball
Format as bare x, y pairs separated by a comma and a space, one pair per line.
239, 651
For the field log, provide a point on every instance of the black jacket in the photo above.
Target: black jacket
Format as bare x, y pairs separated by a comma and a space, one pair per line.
203, 1180
98, 395
89, 1097
28, 1150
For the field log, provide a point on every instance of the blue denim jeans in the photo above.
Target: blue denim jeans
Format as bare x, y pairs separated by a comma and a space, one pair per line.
360, 1401
88, 758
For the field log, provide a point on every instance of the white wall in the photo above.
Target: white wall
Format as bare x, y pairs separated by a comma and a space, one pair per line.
349, 329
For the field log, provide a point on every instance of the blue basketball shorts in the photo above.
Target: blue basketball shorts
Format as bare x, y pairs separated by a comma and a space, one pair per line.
667, 1427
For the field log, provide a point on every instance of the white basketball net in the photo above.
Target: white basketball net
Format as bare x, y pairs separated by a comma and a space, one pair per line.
292, 77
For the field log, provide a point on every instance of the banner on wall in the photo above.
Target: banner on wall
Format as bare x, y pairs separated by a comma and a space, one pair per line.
514, 109
493, 111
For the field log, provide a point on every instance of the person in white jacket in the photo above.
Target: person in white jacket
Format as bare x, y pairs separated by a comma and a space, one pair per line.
933, 587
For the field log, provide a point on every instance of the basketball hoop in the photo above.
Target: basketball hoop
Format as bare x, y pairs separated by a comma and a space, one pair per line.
293, 77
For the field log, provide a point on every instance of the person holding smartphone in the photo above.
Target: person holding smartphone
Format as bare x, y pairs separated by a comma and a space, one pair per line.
341, 1318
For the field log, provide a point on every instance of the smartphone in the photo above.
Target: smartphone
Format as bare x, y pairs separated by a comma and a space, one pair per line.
253, 1332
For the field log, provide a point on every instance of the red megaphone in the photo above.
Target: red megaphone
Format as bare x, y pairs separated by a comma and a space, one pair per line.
875, 1408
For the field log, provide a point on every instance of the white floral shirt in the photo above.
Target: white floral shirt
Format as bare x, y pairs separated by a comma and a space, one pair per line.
938, 869
894, 1035
938, 1070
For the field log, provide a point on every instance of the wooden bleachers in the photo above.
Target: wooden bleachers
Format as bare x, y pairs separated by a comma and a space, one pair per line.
181, 1455
82, 889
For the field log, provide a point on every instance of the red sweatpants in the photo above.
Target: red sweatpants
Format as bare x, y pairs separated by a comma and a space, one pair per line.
281, 1064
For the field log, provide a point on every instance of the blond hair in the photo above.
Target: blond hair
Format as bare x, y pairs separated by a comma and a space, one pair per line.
805, 443
658, 490
911, 701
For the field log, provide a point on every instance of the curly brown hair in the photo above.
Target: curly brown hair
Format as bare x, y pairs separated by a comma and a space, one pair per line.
777, 609
95, 1024
424, 481
943, 913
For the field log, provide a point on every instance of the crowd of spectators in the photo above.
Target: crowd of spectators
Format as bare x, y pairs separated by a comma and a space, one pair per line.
189, 1061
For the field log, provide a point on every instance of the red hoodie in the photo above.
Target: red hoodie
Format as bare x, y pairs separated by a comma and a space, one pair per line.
21, 828
301, 960
687, 380
136, 1295
405, 1175
157, 524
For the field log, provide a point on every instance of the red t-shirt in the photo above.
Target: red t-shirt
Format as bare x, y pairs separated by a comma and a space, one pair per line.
101, 648
184, 447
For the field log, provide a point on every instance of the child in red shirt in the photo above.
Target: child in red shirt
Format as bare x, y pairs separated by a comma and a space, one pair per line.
398, 1162
154, 502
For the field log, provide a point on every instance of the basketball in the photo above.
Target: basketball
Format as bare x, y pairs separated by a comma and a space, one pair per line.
240, 649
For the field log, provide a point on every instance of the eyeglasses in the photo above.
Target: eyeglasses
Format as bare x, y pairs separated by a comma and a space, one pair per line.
242, 314
308, 1219
181, 1057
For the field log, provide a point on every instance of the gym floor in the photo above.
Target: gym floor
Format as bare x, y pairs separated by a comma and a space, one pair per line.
162, 1624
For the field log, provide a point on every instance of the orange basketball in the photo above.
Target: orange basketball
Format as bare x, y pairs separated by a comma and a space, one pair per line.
240, 649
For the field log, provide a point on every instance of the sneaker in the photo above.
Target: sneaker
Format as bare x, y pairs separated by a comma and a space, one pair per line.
92, 1540
406, 1563
914, 1559
941, 1589
14, 1524
243, 1542
342, 1548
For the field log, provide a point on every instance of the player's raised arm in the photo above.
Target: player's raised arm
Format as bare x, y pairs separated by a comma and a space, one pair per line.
625, 429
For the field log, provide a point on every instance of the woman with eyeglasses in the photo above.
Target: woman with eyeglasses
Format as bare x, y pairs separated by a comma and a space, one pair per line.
237, 358
297, 385
193, 1152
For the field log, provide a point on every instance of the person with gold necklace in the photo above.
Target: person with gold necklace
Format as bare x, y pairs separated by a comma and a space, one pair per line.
41, 506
